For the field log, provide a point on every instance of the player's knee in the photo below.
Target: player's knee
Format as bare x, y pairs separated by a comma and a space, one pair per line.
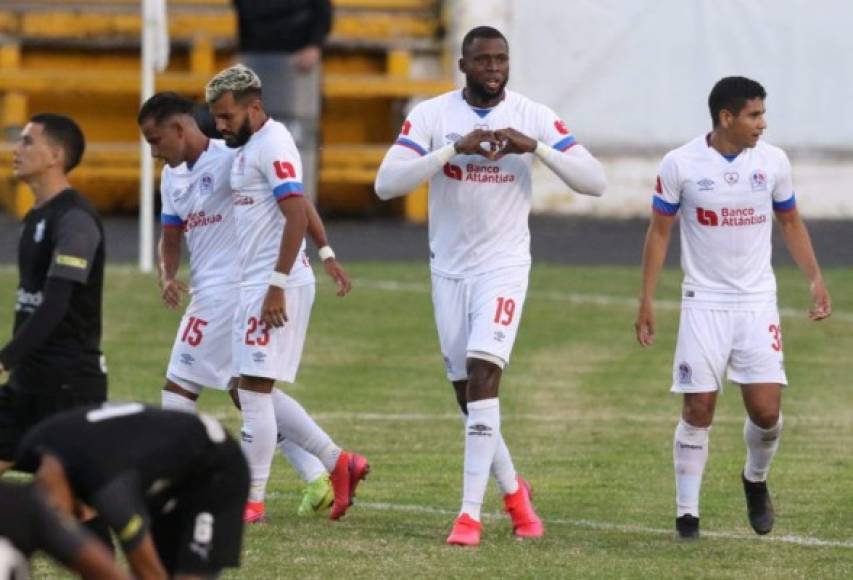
698, 411
483, 379
764, 418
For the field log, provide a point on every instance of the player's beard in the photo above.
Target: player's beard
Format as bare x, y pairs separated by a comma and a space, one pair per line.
480, 91
241, 137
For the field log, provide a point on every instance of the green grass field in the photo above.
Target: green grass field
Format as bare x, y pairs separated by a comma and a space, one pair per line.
586, 413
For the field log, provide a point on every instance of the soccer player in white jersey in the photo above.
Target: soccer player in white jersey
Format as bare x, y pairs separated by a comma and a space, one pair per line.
476, 147
198, 208
727, 185
276, 286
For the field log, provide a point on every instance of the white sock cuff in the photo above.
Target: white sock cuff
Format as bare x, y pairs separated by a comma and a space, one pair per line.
176, 402
483, 404
687, 433
774, 430
247, 396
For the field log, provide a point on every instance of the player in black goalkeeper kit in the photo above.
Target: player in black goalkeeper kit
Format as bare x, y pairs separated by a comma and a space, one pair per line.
54, 357
171, 484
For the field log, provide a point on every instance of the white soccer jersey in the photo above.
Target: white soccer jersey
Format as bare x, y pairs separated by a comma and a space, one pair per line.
478, 209
197, 199
726, 217
266, 170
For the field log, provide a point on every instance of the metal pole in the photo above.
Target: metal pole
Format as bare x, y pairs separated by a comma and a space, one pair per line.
146, 163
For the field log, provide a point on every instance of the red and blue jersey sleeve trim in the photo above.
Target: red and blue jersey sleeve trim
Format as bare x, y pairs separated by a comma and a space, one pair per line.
411, 145
288, 189
171, 221
662, 207
787, 205
565, 144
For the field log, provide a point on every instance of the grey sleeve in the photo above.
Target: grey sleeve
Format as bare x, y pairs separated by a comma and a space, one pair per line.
75, 242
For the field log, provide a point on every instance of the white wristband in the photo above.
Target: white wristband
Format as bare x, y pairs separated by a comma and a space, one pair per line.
278, 279
325, 253
541, 150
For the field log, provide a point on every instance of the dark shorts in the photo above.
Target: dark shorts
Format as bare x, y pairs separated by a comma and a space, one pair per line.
203, 533
21, 409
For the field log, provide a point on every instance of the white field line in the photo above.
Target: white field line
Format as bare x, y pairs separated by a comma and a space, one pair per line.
579, 417
620, 528
594, 525
571, 298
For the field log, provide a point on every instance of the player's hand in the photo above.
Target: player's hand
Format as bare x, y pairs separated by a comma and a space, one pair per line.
337, 273
171, 290
472, 144
273, 310
307, 58
512, 142
821, 302
644, 326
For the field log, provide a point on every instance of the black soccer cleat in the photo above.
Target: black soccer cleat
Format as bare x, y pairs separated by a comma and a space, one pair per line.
759, 508
687, 527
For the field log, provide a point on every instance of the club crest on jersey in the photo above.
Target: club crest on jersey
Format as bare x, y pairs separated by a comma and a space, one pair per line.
453, 171
453, 137
38, 235
205, 184
706, 184
284, 170
759, 180
685, 374
731, 177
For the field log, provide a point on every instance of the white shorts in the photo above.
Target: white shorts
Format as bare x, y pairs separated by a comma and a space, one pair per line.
273, 353
478, 317
747, 343
207, 336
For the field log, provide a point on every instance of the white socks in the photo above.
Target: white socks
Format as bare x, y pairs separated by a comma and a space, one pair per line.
482, 434
258, 439
176, 402
296, 425
306, 465
690, 453
761, 446
502, 467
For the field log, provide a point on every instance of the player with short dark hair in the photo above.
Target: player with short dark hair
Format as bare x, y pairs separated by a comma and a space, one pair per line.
171, 484
54, 357
198, 209
31, 525
727, 185
477, 147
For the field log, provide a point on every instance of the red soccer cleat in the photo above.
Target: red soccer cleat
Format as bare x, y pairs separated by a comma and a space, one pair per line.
466, 532
519, 506
350, 469
254, 513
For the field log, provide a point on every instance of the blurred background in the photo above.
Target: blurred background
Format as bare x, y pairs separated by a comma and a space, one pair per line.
630, 77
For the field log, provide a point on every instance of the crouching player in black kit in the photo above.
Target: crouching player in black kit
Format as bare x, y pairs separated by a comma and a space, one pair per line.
54, 356
31, 525
172, 485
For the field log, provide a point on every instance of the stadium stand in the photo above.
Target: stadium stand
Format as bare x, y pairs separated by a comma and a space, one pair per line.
82, 58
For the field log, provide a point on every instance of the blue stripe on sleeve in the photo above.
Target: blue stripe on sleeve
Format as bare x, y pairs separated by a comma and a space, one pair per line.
171, 220
287, 189
786, 205
664, 207
411, 145
564, 144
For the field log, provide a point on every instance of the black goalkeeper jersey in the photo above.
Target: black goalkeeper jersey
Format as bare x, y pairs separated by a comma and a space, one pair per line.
61, 239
